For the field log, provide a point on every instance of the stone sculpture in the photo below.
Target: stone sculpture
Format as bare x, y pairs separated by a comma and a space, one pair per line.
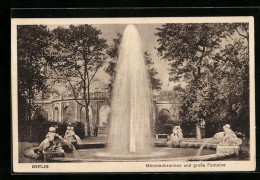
51, 142
72, 137
229, 142
228, 137
175, 138
54, 143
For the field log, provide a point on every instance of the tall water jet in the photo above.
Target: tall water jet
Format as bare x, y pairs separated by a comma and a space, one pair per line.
131, 108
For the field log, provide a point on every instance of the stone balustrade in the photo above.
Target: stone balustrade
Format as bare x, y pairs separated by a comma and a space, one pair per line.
60, 96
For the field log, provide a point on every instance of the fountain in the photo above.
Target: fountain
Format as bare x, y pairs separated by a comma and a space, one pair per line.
53, 146
229, 142
130, 129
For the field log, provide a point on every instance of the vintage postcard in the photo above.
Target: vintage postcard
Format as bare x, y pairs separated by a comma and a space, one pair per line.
133, 94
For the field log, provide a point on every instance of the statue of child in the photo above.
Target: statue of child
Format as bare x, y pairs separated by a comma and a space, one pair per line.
69, 135
179, 133
49, 140
230, 137
67, 132
78, 140
176, 137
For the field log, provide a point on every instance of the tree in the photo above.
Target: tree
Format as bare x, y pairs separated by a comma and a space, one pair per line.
173, 96
113, 52
164, 122
188, 47
154, 80
32, 42
76, 54
233, 65
194, 52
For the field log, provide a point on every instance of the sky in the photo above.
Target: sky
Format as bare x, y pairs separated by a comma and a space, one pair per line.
149, 42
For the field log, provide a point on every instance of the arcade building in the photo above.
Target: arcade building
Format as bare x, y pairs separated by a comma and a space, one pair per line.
64, 108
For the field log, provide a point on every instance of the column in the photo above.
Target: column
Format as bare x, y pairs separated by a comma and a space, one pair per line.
97, 119
76, 112
61, 111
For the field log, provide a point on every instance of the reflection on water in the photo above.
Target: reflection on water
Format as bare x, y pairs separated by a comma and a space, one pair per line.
158, 153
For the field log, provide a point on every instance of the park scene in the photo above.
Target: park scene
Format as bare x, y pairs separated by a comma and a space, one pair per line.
133, 92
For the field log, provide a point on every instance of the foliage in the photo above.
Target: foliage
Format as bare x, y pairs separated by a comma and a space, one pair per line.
113, 52
79, 129
212, 127
188, 47
154, 80
188, 128
212, 59
40, 127
32, 40
76, 55
173, 96
165, 123
233, 68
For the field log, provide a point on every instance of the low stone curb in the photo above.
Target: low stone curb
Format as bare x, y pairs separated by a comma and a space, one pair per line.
197, 145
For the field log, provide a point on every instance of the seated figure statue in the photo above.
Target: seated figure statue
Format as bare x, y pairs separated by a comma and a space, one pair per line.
72, 137
67, 132
175, 138
180, 135
50, 142
228, 137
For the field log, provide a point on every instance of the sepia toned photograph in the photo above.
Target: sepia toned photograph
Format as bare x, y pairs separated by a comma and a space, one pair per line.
133, 94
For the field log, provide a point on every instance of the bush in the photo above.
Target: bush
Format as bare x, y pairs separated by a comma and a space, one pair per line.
23, 133
79, 129
40, 127
188, 129
60, 127
165, 123
165, 128
211, 128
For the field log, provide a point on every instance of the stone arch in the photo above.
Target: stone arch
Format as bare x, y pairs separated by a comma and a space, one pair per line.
68, 114
56, 114
82, 116
164, 109
164, 115
104, 112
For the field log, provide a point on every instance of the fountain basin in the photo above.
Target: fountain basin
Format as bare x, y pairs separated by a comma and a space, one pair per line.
96, 152
159, 154
228, 149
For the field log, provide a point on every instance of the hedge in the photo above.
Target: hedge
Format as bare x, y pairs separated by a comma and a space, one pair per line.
40, 127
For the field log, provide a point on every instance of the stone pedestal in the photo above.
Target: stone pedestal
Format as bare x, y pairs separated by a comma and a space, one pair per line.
228, 149
48, 155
